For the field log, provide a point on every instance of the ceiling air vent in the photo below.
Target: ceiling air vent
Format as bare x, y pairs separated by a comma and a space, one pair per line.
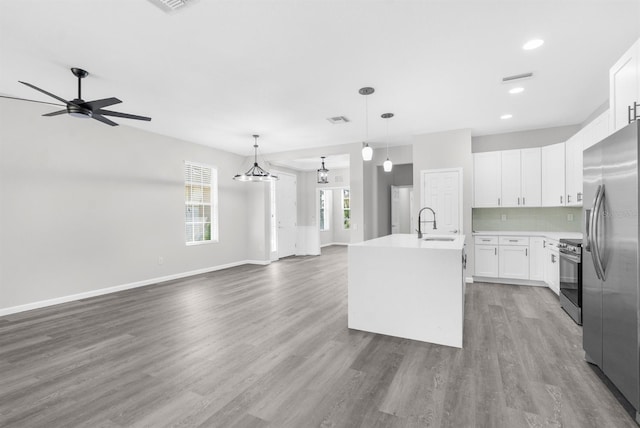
515, 77
172, 5
338, 119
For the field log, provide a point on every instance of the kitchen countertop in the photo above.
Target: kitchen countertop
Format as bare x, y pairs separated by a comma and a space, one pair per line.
551, 235
406, 240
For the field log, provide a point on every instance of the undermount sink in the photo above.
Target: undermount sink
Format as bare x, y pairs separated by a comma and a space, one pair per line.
439, 238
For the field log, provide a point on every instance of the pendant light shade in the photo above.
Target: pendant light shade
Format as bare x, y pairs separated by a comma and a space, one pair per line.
323, 173
387, 165
256, 173
367, 152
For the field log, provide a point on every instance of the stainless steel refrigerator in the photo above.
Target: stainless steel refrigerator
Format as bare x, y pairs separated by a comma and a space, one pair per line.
610, 260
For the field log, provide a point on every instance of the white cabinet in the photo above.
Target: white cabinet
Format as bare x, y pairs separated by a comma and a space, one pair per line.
486, 179
552, 266
536, 258
508, 178
510, 182
530, 178
624, 87
553, 165
573, 167
514, 261
486, 260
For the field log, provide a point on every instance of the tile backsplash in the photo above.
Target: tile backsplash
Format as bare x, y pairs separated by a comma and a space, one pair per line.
528, 219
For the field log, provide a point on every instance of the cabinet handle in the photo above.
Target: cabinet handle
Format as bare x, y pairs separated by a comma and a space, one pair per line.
544, 243
498, 201
553, 258
526, 252
486, 240
523, 201
560, 199
568, 199
495, 251
513, 240
579, 196
633, 116
518, 200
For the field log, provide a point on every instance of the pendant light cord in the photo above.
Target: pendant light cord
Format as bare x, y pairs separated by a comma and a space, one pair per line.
366, 118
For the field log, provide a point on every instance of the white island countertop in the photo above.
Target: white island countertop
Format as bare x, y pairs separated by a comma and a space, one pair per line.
403, 286
405, 240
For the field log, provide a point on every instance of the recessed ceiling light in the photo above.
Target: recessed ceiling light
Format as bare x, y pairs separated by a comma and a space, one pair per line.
533, 44
516, 90
506, 116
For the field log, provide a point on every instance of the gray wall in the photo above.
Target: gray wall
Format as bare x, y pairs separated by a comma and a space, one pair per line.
85, 206
451, 149
400, 175
523, 139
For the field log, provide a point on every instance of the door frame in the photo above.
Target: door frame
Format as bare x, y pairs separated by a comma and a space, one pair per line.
460, 172
317, 205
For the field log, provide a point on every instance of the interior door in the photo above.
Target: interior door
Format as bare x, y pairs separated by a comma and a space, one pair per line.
441, 190
401, 209
286, 214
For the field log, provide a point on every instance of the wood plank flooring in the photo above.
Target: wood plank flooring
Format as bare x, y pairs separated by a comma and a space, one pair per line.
258, 346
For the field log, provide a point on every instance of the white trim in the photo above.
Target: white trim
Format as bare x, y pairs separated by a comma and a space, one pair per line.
510, 281
99, 292
469, 280
334, 243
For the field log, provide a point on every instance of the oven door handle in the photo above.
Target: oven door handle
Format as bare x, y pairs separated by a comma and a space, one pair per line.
572, 258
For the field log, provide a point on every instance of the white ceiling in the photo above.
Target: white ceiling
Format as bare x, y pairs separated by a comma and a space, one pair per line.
218, 71
331, 162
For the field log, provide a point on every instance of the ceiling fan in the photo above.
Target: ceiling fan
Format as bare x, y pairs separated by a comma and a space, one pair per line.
80, 108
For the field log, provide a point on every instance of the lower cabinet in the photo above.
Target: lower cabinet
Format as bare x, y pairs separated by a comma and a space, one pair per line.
486, 260
552, 266
536, 258
514, 262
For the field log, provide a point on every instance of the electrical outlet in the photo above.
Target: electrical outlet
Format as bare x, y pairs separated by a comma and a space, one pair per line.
570, 217
160, 260
503, 217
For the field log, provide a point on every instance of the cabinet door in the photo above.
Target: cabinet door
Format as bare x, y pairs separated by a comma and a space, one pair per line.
531, 177
573, 167
510, 182
486, 179
514, 261
486, 260
552, 270
553, 192
624, 87
536, 258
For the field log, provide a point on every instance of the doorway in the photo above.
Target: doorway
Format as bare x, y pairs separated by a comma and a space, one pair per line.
442, 191
334, 215
402, 209
286, 216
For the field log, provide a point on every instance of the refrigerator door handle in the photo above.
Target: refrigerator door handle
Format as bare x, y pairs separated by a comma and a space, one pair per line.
595, 248
590, 241
587, 229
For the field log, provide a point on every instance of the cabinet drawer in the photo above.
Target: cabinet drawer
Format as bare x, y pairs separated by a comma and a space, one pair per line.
514, 240
486, 240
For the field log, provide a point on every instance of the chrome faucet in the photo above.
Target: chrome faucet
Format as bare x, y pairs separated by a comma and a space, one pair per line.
420, 221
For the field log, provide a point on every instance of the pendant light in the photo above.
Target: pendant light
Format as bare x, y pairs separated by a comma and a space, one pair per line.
367, 152
323, 173
255, 173
387, 165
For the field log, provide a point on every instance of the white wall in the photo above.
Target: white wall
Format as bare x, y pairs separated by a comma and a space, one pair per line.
451, 149
85, 206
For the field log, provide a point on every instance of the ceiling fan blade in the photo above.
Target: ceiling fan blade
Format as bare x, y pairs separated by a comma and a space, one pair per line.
56, 113
103, 119
124, 115
47, 93
31, 101
96, 104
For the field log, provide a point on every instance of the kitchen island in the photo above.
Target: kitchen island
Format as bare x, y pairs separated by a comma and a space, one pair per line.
407, 287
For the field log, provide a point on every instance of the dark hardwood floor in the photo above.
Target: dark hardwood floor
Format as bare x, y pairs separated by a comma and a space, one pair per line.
258, 346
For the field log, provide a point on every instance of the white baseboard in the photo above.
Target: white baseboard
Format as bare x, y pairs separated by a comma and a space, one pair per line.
469, 280
99, 292
510, 281
334, 243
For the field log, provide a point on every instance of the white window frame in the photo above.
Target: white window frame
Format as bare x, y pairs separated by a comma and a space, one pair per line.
324, 220
343, 209
213, 204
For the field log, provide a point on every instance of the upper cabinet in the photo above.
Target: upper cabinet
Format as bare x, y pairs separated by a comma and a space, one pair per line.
486, 179
509, 178
553, 170
573, 168
624, 88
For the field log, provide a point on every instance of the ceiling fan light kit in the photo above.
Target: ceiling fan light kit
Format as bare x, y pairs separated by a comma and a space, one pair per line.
80, 108
255, 173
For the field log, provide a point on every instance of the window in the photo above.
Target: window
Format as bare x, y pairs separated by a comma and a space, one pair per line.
200, 203
346, 209
325, 210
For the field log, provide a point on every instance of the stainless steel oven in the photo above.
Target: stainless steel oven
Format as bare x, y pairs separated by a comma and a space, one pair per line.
571, 278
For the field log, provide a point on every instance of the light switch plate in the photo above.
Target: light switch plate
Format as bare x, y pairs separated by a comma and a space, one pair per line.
569, 217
